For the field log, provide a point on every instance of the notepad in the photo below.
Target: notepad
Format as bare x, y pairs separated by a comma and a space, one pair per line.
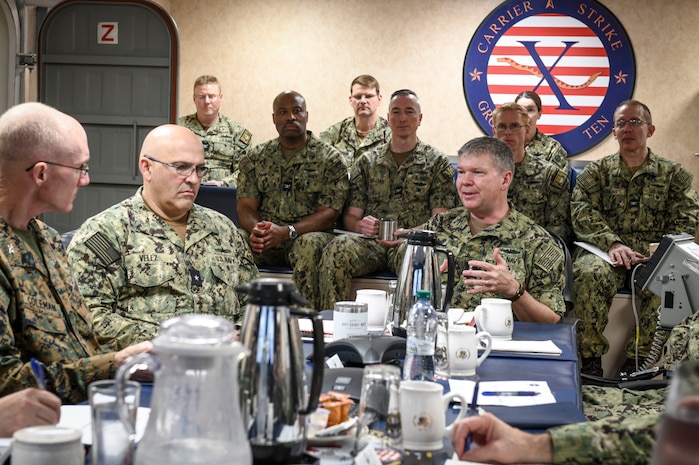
547, 347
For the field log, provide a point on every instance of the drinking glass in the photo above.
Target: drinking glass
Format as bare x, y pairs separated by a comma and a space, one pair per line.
677, 440
379, 405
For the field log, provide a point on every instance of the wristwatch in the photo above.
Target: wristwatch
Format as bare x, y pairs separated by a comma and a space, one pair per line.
520, 291
292, 232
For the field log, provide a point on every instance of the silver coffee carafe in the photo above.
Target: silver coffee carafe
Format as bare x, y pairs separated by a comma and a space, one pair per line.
420, 270
273, 389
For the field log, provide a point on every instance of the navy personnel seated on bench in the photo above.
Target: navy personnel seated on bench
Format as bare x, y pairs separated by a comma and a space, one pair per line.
291, 191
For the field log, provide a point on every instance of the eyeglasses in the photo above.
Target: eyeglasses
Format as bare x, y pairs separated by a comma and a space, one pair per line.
512, 127
202, 97
184, 169
84, 169
635, 122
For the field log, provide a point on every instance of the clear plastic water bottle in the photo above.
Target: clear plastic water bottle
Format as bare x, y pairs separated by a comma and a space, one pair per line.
419, 346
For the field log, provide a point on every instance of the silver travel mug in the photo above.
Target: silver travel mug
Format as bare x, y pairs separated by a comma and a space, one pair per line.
387, 226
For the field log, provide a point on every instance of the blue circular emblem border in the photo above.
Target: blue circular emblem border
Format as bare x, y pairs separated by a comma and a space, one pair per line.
598, 126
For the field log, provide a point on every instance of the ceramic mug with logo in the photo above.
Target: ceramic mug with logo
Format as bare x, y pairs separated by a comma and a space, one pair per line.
423, 414
495, 317
463, 344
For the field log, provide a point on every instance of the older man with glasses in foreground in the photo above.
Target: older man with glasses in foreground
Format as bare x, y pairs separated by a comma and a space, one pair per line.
158, 254
43, 163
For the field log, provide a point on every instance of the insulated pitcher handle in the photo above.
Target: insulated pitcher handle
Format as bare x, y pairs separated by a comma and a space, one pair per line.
451, 274
128, 368
318, 357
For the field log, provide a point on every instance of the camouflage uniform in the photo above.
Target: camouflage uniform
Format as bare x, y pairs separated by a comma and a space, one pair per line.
135, 272
224, 143
43, 316
624, 426
532, 255
549, 149
541, 191
343, 136
290, 191
611, 204
407, 193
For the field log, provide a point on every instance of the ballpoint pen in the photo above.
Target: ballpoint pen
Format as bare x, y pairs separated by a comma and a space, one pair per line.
511, 393
38, 372
473, 410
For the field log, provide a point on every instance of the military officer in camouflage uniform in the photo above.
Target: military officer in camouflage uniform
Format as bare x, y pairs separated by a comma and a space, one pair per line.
404, 179
43, 162
622, 429
537, 143
539, 188
622, 203
291, 191
158, 255
502, 253
364, 131
224, 140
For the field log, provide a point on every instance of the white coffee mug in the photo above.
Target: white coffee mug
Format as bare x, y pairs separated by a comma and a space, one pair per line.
377, 303
495, 317
47, 445
463, 343
422, 414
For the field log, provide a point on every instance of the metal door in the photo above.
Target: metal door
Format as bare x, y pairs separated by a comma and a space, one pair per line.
113, 66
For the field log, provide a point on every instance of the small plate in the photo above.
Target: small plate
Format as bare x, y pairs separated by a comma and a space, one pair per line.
330, 440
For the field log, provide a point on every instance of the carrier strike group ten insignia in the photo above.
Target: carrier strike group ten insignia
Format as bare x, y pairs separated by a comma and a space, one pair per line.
575, 55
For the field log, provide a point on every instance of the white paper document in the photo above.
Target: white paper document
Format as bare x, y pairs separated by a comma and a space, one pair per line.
505, 393
595, 250
306, 328
547, 347
79, 417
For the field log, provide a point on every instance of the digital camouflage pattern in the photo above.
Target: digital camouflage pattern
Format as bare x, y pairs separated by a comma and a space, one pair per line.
288, 192
344, 137
611, 204
532, 255
623, 424
407, 193
43, 316
541, 191
224, 143
135, 272
549, 149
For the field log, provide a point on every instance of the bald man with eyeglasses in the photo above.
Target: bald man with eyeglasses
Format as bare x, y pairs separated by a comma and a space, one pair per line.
158, 254
622, 203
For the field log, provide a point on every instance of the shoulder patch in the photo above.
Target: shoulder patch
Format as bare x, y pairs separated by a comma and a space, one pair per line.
683, 179
246, 137
104, 251
549, 257
560, 180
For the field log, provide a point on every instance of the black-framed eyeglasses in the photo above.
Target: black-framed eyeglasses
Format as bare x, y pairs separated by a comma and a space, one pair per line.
84, 169
635, 122
502, 127
184, 169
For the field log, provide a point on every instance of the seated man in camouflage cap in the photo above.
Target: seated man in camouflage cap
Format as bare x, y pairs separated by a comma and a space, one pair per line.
357, 134
291, 191
623, 424
502, 252
224, 140
157, 254
43, 162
